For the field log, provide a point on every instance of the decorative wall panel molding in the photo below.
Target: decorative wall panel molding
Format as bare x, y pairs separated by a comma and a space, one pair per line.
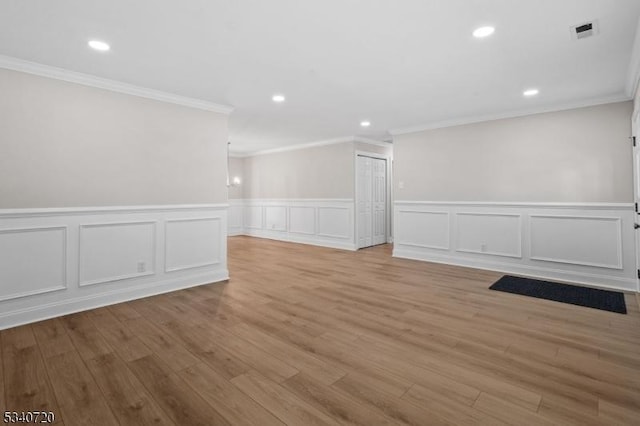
498, 234
236, 219
192, 243
590, 243
322, 222
33, 261
116, 251
579, 240
424, 228
58, 261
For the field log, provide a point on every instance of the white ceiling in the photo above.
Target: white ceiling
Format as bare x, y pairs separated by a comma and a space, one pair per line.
397, 63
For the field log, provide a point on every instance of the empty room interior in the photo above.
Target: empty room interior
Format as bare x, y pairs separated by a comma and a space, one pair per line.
218, 212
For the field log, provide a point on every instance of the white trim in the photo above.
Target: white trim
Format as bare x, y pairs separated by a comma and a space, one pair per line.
372, 141
553, 205
167, 269
82, 227
66, 211
295, 147
456, 231
446, 213
65, 272
320, 234
591, 280
317, 238
15, 64
612, 265
79, 292
78, 304
633, 74
618, 221
512, 114
325, 142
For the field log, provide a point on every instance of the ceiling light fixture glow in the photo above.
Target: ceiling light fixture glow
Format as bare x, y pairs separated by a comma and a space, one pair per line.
99, 45
483, 32
278, 98
530, 92
365, 123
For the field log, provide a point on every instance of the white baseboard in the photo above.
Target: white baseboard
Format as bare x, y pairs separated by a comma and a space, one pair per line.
319, 222
301, 240
586, 243
78, 304
57, 261
601, 281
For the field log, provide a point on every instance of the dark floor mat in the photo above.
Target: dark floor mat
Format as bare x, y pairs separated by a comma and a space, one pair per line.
605, 300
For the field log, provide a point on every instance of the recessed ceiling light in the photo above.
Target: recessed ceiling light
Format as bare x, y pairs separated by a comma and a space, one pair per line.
365, 123
483, 32
99, 45
531, 92
278, 98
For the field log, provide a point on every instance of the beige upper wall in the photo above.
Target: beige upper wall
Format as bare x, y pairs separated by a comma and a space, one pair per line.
236, 169
579, 155
68, 145
316, 172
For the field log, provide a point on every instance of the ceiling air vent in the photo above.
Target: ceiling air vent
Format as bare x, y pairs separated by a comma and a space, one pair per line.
585, 30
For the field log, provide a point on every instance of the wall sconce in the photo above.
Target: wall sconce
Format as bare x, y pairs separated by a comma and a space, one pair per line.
236, 181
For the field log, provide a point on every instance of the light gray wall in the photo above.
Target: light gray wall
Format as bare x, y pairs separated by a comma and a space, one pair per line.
68, 145
579, 155
316, 172
236, 169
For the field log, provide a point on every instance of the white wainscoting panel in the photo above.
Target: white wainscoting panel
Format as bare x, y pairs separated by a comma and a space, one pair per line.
323, 222
589, 243
32, 261
57, 261
489, 233
428, 229
192, 243
275, 218
579, 240
302, 220
236, 217
334, 222
116, 251
253, 217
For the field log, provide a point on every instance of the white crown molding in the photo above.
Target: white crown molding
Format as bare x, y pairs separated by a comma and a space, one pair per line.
66, 211
15, 64
513, 114
294, 147
633, 75
315, 144
372, 141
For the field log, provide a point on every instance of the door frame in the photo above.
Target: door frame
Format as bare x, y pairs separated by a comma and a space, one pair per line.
635, 124
389, 194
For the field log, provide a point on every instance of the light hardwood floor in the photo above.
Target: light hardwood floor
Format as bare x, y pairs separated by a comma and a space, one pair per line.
304, 335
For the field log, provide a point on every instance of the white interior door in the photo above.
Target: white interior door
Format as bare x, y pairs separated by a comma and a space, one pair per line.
365, 197
371, 201
379, 205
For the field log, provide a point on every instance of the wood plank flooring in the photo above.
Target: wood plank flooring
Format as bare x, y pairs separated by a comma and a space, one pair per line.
304, 335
